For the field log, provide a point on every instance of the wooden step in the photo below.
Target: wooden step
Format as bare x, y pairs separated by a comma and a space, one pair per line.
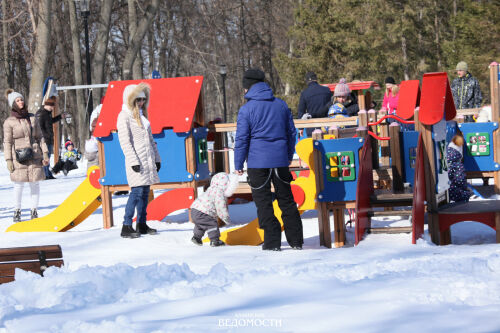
480, 206
386, 197
390, 213
390, 230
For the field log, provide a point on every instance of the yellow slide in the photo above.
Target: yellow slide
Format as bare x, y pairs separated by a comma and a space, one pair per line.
75, 209
251, 234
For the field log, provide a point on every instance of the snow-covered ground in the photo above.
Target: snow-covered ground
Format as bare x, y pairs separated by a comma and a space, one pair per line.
164, 283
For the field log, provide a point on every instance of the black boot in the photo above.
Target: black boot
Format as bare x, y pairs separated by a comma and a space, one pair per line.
197, 241
129, 232
34, 214
144, 229
217, 242
17, 216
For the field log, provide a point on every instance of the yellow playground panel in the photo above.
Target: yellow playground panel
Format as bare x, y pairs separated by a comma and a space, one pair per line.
75, 209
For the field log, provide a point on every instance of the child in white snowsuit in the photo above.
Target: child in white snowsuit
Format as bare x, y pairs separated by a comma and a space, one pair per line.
68, 160
210, 205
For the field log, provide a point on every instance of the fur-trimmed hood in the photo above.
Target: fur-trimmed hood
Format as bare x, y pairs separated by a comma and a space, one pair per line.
133, 91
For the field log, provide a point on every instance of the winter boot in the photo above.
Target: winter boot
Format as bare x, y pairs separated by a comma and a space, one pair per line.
17, 216
298, 247
197, 241
217, 242
129, 232
34, 214
270, 248
144, 229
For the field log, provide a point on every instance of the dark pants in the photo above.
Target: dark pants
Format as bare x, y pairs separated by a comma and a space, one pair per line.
138, 198
67, 165
260, 181
204, 223
46, 168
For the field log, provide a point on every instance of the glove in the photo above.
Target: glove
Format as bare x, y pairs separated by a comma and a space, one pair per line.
306, 116
136, 168
45, 160
158, 166
10, 166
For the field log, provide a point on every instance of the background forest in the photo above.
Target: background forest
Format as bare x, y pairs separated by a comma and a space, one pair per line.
359, 40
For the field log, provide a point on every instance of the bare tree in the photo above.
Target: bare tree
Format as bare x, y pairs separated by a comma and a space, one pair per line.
40, 56
136, 40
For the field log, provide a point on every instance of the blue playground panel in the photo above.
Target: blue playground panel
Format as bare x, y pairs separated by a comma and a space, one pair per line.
172, 149
478, 148
201, 153
340, 179
409, 143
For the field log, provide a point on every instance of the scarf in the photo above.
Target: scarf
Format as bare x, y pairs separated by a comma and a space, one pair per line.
20, 113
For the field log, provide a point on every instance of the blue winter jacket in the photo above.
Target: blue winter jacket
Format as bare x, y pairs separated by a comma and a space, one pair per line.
313, 100
265, 133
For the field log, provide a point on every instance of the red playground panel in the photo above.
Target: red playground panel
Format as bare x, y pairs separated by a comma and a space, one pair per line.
169, 202
436, 99
409, 98
172, 104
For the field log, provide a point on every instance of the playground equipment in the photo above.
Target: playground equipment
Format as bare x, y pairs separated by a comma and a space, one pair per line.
441, 214
176, 116
74, 210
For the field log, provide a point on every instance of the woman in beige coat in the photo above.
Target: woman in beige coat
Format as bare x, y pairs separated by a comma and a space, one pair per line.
142, 160
21, 130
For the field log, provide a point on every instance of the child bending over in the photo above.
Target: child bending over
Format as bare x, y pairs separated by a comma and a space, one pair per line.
210, 205
68, 160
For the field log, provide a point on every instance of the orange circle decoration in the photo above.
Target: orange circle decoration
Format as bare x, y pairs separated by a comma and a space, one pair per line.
94, 178
298, 194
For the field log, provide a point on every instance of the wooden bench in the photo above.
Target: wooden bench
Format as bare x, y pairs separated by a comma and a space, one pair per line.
33, 258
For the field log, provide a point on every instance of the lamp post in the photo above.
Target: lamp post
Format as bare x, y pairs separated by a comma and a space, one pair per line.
223, 73
85, 11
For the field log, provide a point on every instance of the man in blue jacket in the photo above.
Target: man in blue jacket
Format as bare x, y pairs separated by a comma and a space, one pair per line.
313, 100
265, 139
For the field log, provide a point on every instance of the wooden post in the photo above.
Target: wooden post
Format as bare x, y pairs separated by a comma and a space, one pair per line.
384, 145
339, 226
334, 130
218, 146
495, 116
325, 237
107, 203
372, 117
363, 118
396, 156
227, 166
211, 164
361, 100
430, 183
497, 225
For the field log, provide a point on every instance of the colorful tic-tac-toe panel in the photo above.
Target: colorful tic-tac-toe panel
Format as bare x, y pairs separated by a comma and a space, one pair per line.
340, 166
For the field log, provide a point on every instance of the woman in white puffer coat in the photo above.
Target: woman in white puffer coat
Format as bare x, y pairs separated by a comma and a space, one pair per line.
142, 160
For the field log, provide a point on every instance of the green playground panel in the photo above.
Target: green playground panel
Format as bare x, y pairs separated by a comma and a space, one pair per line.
202, 151
340, 166
478, 144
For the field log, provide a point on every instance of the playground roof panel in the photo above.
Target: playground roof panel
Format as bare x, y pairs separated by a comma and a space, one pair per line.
409, 98
436, 99
356, 85
173, 103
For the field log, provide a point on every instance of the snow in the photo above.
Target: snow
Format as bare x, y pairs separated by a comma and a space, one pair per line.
164, 283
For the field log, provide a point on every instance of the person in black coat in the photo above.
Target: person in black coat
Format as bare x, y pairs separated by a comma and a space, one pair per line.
46, 120
312, 100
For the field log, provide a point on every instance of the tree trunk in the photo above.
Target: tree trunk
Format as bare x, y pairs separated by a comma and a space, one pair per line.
81, 110
40, 55
5, 41
132, 28
101, 45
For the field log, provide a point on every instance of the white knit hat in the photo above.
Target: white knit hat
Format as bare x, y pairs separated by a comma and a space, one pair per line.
12, 97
